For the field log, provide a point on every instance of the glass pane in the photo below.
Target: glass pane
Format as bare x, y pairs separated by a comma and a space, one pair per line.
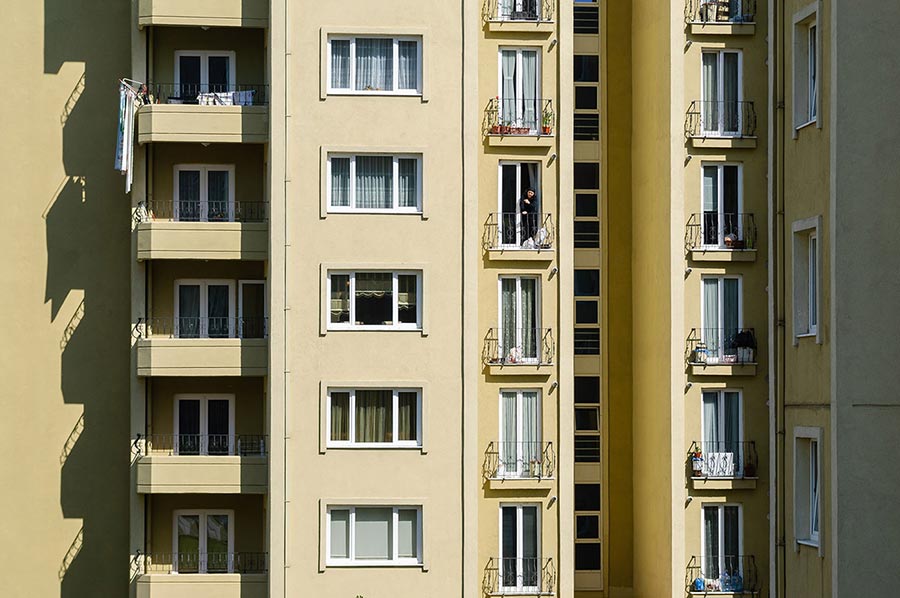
408, 418
218, 74
407, 300
587, 235
217, 543
409, 195
189, 79
813, 281
217, 310
732, 540
587, 449
374, 299
340, 298
188, 544
340, 64
587, 419
217, 196
587, 527
587, 389
587, 557
340, 416
374, 182
585, 99
509, 546
586, 20
253, 305
188, 207
188, 427
374, 64
587, 175
586, 312
408, 533
217, 426
340, 182
530, 565
340, 534
409, 64
585, 205
587, 497
374, 531
374, 416
587, 283
711, 542
188, 311
587, 68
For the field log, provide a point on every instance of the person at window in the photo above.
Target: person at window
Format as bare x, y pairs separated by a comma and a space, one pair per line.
528, 208
144, 95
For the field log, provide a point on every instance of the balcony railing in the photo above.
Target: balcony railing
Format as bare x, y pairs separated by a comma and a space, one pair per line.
190, 327
721, 346
512, 460
720, 11
720, 118
519, 10
523, 575
202, 211
244, 445
714, 230
203, 562
518, 346
518, 116
722, 574
249, 94
723, 459
512, 230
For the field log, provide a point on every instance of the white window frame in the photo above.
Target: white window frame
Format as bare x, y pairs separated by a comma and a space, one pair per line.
396, 91
352, 561
720, 131
720, 425
519, 507
520, 471
201, 548
204, 285
395, 187
519, 330
204, 419
806, 293
720, 324
204, 56
519, 164
720, 507
395, 443
397, 325
807, 67
807, 487
720, 189
204, 170
519, 94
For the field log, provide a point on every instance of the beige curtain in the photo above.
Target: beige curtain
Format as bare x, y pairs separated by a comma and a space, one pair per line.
407, 423
340, 416
374, 416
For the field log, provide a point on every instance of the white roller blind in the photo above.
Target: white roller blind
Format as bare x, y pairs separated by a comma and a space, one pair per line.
340, 534
407, 533
373, 533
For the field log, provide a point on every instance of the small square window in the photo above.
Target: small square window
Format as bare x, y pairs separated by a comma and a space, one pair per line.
587, 497
587, 389
587, 419
585, 205
587, 68
587, 175
586, 312
587, 283
587, 556
585, 97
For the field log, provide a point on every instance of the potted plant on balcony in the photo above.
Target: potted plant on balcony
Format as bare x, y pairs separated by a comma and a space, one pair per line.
697, 463
547, 122
505, 127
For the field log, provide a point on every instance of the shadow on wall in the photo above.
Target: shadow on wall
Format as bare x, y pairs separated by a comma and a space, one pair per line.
88, 243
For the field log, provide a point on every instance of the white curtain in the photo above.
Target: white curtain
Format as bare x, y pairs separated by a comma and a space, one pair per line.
509, 442
508, 316
374, 417
374, 64
374, 182
508, 91
710, 108
531, 436
340, 64
408, 54
711, 333
408, 184
710, 205
340, 182
529, 313
505, 8
710, 421
530, 112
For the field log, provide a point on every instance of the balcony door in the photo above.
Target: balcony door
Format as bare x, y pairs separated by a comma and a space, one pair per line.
519, 221
721, 541
519, 548
520, 434
203, 542
721, 444
204, 193
721, 94
204, 425
520, 88
519, 319
721, 316
204, 309
721, 204
203, 72
519, 10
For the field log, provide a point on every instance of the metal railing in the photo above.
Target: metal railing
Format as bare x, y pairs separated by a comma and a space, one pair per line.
518, 116
720, 11
244, 445
204, 563
723, 459
204, 94
512, 460
518, 346
715, 346
513, 230
722, 573
720, 118
169, 327
720, 231
202, 211
519, 575
519, 10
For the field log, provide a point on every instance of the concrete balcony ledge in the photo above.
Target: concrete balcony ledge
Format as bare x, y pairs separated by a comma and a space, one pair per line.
161, 239
521, 255
163, 356
521, 27
723, 28
723, 483
519, 369
517, 484
723, 369
191, 123
219, 585
199, 474
545, 141
723, 142
204, 13
723, 255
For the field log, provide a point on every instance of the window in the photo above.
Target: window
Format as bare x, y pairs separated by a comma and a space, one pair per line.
721, 333
521, 220
374, 417
721, 447
722, 225
519, 10
587, 419
203, 193
520, 324
204, 309
722, 94
586, 205
204, 425
587, 283
375, 65
521, 449
586, 97
587, 68
587, 527
203, 541
376, 535
375, 300
722, 540
807, 485
520, 565
806, 277
586, 127
587, 175
203, 73
587, 312
374, 183
520, 88
806, 66
587, 20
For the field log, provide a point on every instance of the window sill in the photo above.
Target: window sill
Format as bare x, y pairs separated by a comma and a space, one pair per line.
809, 543
374, 446
806, 335
384, 212
375, 565
348, 92
376, 329
804, 125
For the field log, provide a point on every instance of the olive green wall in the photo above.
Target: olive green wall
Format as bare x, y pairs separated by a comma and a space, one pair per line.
247, 44
249, 518
247, 159
249, 403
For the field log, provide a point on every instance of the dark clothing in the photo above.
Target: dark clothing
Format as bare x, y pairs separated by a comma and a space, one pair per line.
528, 211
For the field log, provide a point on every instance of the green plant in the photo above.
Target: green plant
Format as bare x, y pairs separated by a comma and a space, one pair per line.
547, 117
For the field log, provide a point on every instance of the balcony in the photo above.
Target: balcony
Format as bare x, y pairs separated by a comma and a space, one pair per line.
204, 114
202, 230
721, 352
519, 237
519, 16
207, 575
519, 577
202, 13
202, 346
713, 124
721, 237
519, 351
519, 123
512, 465
720, 17
723, 465
722, 576
207, 463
